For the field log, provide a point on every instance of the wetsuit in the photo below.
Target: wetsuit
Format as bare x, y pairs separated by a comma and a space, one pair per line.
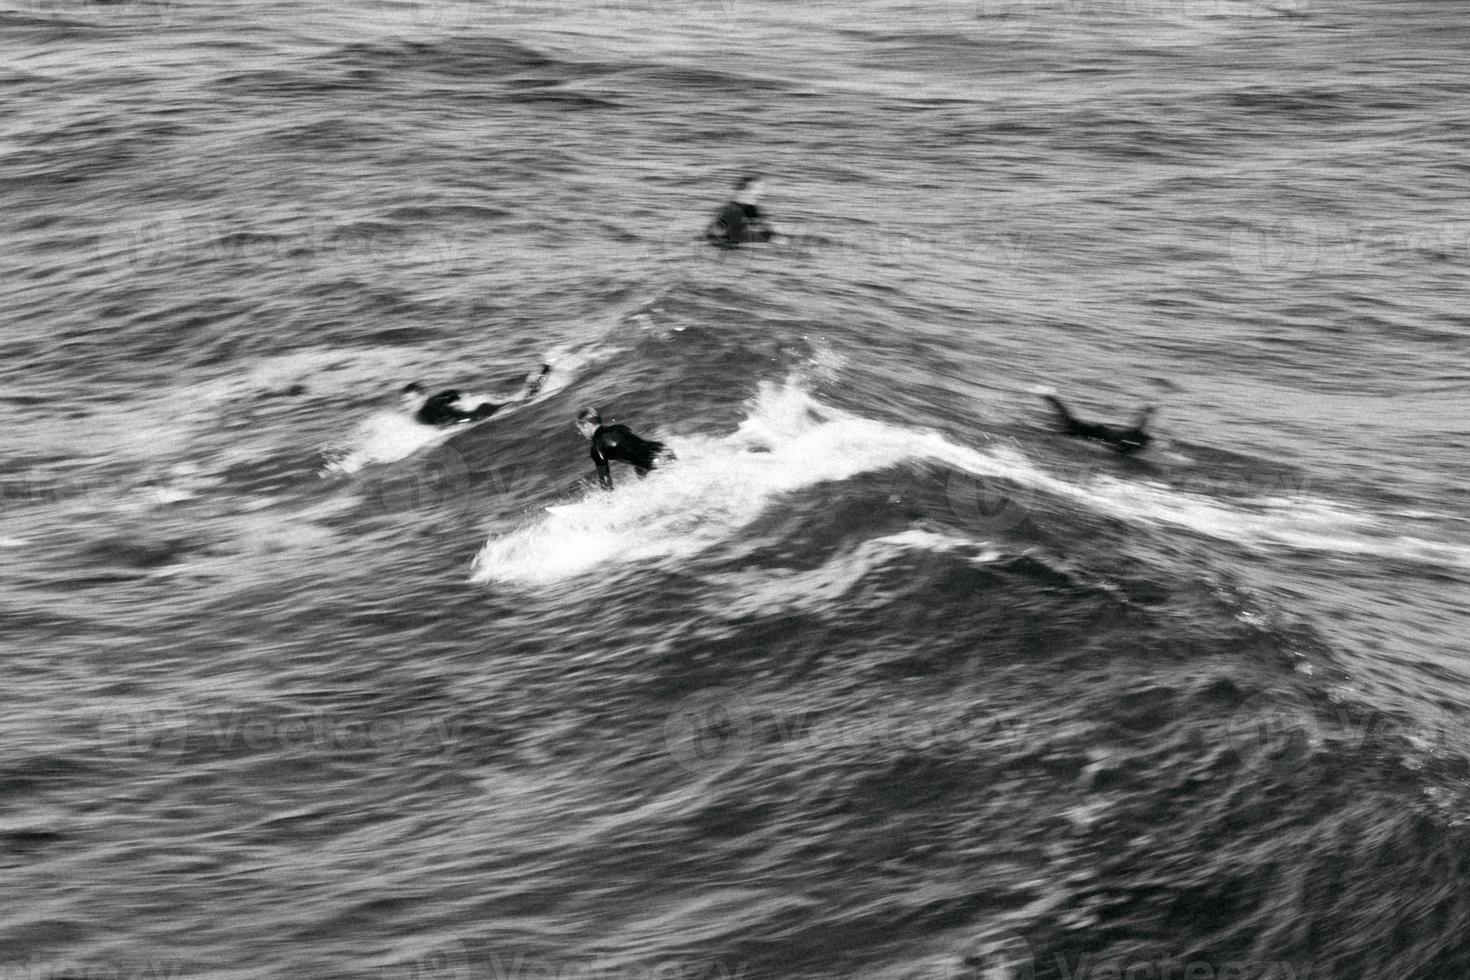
737, 223
1124, 440
610, 442
439, 410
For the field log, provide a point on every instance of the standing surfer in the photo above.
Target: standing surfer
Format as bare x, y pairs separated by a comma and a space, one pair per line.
617, 442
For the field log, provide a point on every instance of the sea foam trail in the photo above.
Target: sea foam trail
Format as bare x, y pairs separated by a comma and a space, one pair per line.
759, 591
382, 437
790, 441
1301, 523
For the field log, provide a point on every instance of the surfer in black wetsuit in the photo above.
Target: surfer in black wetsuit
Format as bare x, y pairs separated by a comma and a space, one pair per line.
741, 220
1124, 439
443, 409
610, 442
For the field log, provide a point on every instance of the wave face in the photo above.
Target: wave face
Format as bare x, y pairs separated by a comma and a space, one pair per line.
880, 677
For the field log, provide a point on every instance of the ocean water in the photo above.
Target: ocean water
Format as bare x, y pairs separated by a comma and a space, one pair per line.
882, 678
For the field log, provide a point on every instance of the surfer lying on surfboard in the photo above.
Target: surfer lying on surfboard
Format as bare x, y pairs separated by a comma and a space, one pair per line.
610, 442
1124, 439
444, 409
741, 220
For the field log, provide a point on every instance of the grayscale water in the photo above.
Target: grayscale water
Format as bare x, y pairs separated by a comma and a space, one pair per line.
882, 678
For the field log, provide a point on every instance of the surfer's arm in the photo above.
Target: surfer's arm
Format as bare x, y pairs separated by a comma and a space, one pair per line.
604, 471
1065, 419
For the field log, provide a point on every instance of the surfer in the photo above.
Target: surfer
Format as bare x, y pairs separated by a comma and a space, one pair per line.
1124, 439
741, 220
610, 442
443, 408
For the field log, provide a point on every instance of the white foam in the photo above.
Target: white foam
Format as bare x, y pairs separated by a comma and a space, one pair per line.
790, 441
918, 539
382, 437
1302, 523
716, 486
762, 591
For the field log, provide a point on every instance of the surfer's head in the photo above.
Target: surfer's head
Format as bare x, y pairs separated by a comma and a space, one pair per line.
412, 396
588, 420
748, 190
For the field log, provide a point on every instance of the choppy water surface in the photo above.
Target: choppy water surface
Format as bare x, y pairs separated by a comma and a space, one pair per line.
882, 678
